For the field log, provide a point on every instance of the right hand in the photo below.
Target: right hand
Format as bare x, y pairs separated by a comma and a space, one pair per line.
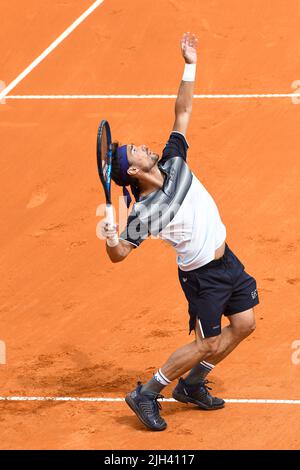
110, 232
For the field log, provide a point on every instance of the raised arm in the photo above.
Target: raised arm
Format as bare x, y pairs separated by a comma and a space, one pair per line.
183, 105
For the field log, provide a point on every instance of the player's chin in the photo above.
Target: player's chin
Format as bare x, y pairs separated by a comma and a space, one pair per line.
154, 157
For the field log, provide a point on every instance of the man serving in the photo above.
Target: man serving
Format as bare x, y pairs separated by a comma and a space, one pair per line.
172, 204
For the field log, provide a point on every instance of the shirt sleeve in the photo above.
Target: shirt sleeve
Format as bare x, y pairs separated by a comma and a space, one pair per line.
135, 231
176, 146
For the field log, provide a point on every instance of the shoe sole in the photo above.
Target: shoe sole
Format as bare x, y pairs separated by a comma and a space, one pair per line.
130, 402
184, 399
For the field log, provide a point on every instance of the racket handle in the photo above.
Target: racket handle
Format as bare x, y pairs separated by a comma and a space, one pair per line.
110, 214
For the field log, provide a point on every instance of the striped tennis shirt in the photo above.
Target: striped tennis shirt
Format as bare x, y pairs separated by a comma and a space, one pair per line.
182, 212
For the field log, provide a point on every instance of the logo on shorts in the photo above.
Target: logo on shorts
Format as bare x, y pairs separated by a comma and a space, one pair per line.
254, 294
184, 279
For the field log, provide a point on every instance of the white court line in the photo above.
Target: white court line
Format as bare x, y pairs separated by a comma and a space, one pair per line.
170, 400
49, 49
134, 97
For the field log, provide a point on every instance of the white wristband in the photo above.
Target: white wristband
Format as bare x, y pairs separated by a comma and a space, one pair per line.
189, 73
111, 242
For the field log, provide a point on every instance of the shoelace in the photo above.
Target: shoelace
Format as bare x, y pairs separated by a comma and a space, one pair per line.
153, 406
205, 386
156, 403
157, 397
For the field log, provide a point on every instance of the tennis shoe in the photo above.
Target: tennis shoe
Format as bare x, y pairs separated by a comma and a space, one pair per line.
197, 394
146, 407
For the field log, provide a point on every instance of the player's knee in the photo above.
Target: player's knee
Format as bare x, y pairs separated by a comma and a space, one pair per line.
208, 346
251, 327
246, 328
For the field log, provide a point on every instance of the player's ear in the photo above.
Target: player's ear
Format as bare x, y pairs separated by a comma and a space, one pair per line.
133, 171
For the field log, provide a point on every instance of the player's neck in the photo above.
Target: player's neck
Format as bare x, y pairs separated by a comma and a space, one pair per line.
152, 182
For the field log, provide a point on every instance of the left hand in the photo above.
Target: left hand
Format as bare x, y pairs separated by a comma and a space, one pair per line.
189, 44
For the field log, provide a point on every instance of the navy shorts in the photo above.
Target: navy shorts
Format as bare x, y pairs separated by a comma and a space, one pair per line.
219, 287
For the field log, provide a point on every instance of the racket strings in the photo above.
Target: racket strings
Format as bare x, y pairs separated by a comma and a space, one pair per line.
104, 155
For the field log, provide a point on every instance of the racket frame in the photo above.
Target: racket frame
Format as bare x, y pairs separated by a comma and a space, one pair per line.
106, 183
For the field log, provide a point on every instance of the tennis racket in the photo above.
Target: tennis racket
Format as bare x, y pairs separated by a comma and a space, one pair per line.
104, 159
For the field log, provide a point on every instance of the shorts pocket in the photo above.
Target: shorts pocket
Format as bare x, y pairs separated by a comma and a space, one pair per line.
189, 283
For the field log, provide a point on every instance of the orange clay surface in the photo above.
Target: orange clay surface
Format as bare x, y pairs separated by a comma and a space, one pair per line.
73, 323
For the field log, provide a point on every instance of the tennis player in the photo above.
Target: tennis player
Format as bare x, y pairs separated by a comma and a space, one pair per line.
172, 204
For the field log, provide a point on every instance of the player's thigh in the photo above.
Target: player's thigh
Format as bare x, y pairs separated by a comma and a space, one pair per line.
243, 322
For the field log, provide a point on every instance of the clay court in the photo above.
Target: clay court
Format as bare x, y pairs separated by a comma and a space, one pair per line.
77, 326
